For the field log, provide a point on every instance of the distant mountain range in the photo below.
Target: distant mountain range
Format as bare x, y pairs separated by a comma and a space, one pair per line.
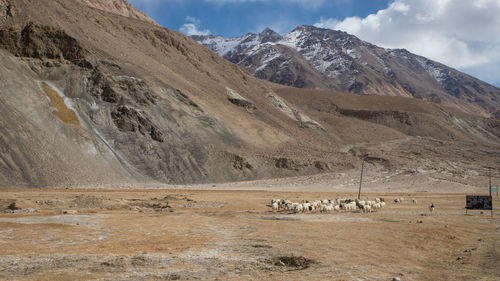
311, 57
94, 93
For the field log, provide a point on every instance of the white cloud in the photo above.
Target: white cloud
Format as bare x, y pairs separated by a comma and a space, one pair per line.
458, 33
192, 27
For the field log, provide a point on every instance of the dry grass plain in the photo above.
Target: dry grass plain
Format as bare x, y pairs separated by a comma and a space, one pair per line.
184, 234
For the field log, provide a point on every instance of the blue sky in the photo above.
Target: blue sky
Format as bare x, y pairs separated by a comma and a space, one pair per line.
463, 34
235, 18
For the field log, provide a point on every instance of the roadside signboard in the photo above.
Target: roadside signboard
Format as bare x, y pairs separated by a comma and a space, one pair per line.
494, 189
475, 202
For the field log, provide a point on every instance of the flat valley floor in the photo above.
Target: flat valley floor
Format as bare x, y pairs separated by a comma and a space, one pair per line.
188, 234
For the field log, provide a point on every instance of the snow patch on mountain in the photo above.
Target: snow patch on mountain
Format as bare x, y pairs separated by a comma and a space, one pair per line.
436, 72
269, 57
224, 46
292, 39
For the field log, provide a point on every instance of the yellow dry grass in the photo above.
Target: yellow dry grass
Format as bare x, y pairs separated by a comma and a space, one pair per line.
232, 235
64, 114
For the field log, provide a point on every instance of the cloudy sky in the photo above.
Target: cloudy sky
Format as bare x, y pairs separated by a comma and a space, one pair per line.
464, 34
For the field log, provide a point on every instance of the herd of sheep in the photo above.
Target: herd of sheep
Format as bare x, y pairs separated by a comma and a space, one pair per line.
328, 205
337, 205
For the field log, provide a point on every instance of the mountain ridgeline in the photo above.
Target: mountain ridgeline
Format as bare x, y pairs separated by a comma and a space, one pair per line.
95, 93
311, 57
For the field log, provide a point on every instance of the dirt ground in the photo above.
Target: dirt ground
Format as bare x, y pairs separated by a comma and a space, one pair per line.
180, 234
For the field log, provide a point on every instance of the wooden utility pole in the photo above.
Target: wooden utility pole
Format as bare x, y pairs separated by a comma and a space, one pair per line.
361, 179
489, 185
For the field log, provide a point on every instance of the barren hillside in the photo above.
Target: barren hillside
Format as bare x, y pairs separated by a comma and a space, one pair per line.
107, 97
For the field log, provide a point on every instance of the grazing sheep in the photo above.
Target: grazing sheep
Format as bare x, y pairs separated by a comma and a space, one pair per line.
326, 208
341, 200
399, 200
311, 208
299, 208
275, 207
306, 206
367, 208
328, 205
329, 208
350, 207
322, 208
316, 203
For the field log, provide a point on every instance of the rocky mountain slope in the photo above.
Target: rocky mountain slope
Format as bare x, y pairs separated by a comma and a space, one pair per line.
92, 97
310, 57
119, 7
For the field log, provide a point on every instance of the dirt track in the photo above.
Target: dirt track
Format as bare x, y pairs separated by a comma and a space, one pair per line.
233, 235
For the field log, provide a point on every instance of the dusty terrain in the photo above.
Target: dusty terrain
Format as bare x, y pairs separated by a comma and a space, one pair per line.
186, 233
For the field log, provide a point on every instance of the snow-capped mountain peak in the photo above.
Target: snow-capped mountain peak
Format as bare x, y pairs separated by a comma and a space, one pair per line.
322, 58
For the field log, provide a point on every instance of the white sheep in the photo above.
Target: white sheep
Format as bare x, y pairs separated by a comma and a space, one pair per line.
328, 205
350, 207
299, 208
275, 207
316, 203
306, 206
367, 208
414, 201
326, 208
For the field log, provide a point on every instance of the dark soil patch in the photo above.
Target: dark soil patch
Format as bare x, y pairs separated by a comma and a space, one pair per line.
8, 205
154, 204
295, 262
280, 219
262, 246
13, 206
